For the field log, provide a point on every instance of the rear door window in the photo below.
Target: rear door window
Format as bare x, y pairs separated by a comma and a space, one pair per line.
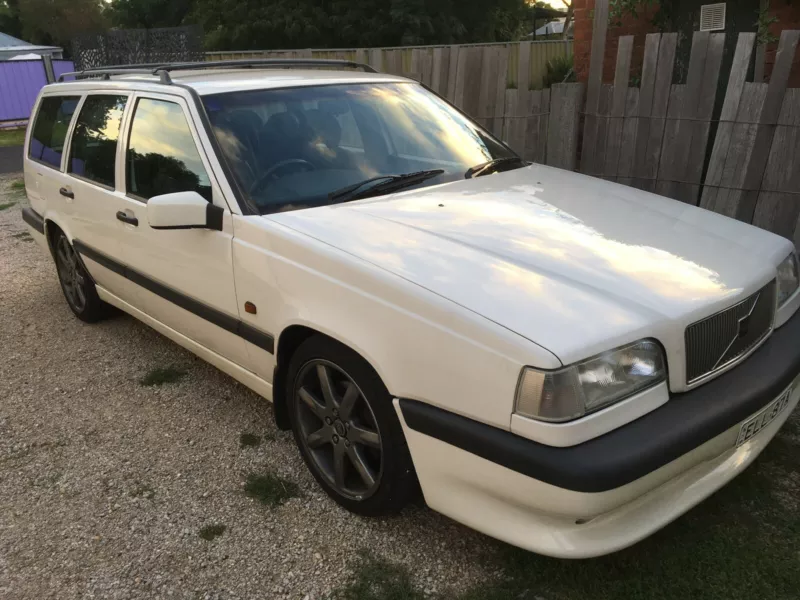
94, 143
50, 129
162, 157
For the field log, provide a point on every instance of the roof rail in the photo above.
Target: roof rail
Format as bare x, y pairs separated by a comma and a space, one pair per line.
163, 70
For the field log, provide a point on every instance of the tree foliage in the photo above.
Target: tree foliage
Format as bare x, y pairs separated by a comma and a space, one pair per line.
258, 24
261, 24
56, 22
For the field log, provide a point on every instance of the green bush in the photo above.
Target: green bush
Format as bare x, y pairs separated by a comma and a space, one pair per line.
559, 70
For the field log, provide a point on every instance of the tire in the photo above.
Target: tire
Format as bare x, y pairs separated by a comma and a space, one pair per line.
76, 283
364, 433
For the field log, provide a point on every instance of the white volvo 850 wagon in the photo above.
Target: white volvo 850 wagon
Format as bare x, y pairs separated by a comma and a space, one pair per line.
558, 361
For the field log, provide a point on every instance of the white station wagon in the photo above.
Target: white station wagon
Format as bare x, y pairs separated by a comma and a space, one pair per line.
561, 362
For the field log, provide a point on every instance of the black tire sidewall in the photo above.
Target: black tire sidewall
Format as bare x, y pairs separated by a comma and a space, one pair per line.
95, 309
398, 482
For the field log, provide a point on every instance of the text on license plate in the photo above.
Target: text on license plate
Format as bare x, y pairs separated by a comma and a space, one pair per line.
764, 418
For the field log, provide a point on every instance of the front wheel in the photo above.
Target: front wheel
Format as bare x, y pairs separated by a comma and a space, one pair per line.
346, 428
78, 288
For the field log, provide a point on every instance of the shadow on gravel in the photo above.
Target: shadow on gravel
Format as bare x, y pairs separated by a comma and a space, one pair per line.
741, 543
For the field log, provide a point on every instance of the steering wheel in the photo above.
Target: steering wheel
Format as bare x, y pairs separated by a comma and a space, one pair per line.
271, 174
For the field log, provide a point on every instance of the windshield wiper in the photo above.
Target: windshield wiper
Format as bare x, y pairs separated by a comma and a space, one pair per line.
492, 166
383, 185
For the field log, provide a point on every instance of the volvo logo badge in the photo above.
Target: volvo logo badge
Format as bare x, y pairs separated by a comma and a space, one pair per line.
744, 326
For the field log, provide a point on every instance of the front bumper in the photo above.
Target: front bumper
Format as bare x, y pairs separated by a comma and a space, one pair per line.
612, 491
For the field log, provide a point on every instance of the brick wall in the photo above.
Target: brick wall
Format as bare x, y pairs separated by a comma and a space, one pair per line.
788, 15
582, 48
786, 11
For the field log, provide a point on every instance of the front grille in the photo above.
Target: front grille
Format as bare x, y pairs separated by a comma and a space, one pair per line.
721, 339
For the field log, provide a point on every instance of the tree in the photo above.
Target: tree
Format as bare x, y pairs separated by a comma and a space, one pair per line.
568, 17
136, 14
256, 24
10, 22
56, 22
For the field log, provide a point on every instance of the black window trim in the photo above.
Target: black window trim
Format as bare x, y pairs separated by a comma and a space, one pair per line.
67, 138
198, 143
109, 92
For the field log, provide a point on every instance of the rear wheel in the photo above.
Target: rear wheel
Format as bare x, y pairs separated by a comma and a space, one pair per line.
78, 288
346, 428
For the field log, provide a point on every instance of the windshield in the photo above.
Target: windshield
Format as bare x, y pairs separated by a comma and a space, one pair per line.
293, 148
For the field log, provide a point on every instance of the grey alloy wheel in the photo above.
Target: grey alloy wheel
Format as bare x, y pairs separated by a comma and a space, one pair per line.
338, 429
71, 274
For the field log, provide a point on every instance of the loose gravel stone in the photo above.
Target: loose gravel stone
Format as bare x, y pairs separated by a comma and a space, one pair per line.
105, 484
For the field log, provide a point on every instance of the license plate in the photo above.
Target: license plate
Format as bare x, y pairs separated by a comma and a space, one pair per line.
764, 418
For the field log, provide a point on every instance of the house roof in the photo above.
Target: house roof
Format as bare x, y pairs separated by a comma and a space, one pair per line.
9, 42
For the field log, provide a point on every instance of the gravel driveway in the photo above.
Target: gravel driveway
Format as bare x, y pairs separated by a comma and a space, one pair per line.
105, 484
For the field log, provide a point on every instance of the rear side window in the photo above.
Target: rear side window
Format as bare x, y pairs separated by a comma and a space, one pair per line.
94, 143
162, 157
50, 129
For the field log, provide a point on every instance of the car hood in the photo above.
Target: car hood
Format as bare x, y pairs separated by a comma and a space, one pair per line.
573, 263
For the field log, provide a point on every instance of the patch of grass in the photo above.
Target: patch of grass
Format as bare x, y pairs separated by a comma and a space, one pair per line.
270, 489
162, 376
6, 205
23, 235
377, 579
209, 532
249, 440
12, 137
741, 543
18, 185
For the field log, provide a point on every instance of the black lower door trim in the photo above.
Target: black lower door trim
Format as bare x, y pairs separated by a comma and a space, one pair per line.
249, 333
632, 451
34, 219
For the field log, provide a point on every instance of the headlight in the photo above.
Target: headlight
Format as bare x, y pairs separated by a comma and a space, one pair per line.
788, 279
590, 385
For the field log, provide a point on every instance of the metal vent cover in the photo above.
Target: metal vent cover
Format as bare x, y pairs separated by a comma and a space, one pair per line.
712, 17
728, 336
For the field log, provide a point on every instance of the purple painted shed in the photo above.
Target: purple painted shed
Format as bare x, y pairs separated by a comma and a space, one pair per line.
20, 82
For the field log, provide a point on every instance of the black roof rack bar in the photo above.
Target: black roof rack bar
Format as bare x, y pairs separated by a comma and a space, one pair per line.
163, 70
106, 73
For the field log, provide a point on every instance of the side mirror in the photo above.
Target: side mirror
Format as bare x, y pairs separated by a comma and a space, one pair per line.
183, 210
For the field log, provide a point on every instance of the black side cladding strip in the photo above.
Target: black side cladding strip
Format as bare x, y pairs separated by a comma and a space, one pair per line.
263, 340
32, 218
632, 451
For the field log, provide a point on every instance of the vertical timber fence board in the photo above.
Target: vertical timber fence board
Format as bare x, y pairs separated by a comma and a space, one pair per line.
630, 129
566, 100
741, 146
644, 110
594, 87
698, 147
778, 206
730, 108
452, 73
675, 155
767, 120
524, 67
500, 79
618, 103
486, 91
658, 112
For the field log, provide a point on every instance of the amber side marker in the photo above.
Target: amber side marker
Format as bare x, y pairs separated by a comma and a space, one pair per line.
249, 307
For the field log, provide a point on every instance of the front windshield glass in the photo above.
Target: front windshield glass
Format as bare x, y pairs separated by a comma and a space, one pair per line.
291, 148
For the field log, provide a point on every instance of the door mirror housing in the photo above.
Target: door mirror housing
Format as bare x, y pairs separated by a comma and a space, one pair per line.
183, 210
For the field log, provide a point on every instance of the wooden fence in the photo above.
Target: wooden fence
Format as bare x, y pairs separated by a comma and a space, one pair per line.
435, 65
660, 136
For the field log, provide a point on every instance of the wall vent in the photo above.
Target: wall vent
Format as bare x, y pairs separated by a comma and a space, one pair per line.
712, 17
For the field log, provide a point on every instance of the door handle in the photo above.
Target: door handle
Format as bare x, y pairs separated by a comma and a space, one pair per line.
126, 218
65, 192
